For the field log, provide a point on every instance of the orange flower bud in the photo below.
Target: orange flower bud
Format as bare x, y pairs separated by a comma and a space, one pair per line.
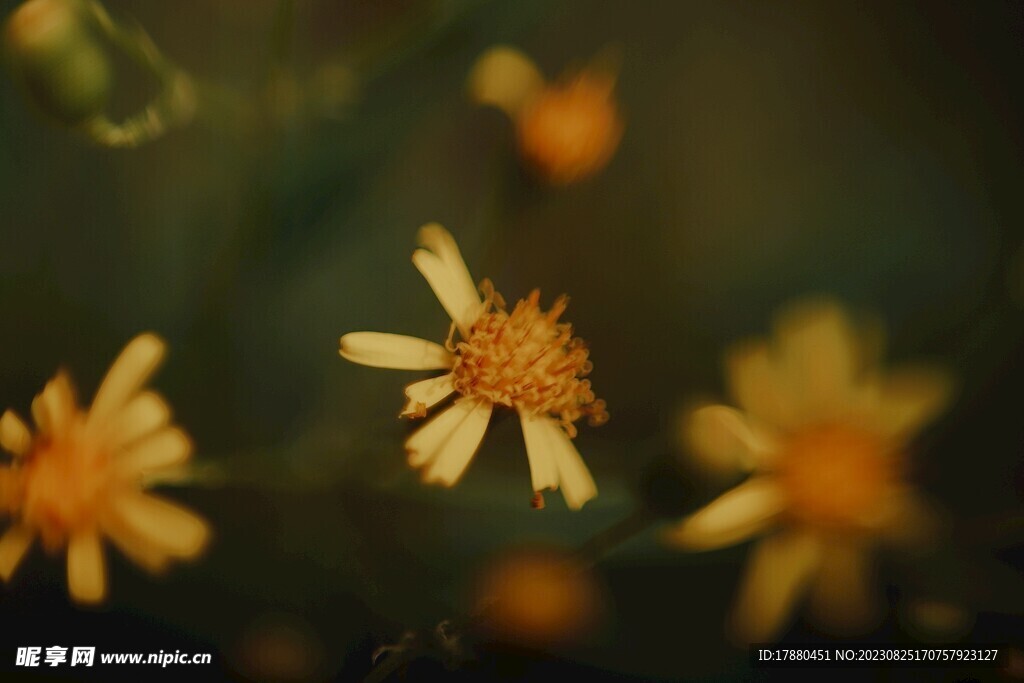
570, 130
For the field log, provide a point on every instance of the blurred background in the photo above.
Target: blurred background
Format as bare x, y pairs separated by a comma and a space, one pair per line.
872, 151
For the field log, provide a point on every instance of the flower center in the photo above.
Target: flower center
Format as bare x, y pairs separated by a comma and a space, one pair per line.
527, 360
835, 476
63, 481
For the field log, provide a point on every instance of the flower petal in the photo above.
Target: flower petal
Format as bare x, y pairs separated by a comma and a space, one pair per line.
819, 353
759, 387
733, 517
441, 264
165, 448
138, 548
452, 455
54, 407
395, 351
907, 400
13, 545
573, 476
15, 437
539, 451
425, 394
161, 523
423, 445
841, 598
139, 359
722, 439
87, 575
779, 569
141, 416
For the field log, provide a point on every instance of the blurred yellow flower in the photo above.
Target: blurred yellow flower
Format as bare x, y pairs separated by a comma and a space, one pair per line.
824, 432
524, 359
79, 477
567, 130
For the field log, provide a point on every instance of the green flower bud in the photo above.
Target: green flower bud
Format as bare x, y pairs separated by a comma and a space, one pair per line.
58, 60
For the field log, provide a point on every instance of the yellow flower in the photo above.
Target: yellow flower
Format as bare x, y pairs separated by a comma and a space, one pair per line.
824, 432
79, 478
568, 130
524, 359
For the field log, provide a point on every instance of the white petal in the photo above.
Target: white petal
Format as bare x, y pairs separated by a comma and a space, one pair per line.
722, 439
425, 394
139, 359
436, 239
779, 570
15, 437
164, 525
395, 351
573, 476
543, 468
141, 416
504, 77
733, 517
13, 546
442, 266
452, 460
87, 576
424, 444
446, 443
165, 448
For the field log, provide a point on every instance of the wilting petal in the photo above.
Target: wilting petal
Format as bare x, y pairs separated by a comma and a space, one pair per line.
907, 400
164, 525
87, 576
841, 596
779, 569
452, 456
139, 359
446, 273
394, 351
13, 546
425, 394
165, 448
819, 353
539, 451
504, 77
733, 517
722, 439
15, 437
141, 416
